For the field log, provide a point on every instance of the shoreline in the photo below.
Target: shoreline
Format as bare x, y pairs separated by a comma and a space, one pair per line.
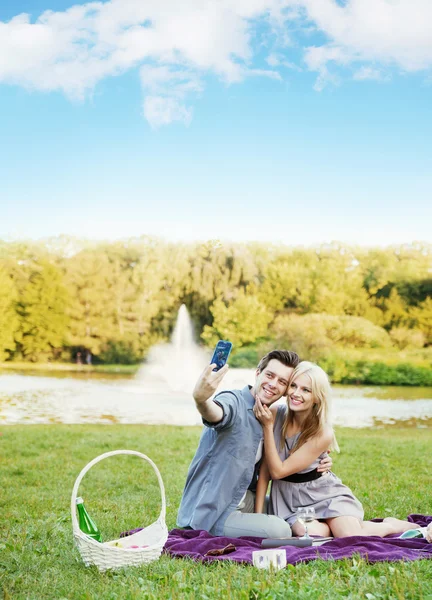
354, 372
71, 367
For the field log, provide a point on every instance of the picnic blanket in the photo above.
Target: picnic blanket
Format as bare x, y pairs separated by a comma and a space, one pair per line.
196, 544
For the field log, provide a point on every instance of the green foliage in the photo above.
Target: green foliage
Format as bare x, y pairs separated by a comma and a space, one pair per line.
242, 322
403, 337
115, 299
9, 321
422, 315
325, 280
315, 335
344, 370
42, 310
306, 334
216, 271
394, 309
245, 357
121, 352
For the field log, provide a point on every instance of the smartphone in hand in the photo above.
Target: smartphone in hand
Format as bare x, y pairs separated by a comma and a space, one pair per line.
221, 354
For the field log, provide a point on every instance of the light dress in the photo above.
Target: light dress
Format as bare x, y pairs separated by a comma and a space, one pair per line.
327, 494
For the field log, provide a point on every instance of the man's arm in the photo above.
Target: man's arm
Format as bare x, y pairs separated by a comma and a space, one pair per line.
205, 387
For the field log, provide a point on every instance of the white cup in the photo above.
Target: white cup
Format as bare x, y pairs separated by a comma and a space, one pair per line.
269, 559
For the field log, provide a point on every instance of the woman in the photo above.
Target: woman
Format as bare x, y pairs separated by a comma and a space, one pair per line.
302, 434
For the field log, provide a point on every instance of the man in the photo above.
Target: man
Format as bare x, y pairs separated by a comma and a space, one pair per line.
219, 491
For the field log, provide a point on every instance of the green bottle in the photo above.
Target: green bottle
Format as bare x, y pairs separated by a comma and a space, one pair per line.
86, 523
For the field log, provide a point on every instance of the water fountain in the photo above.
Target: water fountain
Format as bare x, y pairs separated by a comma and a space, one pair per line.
178, 363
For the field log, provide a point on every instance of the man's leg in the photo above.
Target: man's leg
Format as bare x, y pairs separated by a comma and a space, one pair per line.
248, 503
255, 524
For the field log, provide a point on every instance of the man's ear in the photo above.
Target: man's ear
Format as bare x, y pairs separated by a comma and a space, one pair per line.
257, 372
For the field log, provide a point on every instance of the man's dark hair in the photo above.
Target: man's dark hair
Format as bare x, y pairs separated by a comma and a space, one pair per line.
286, 357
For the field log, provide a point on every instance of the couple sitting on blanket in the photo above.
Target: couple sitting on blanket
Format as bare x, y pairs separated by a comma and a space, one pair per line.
245, 443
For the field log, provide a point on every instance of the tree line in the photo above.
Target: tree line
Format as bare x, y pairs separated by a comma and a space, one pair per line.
63, 295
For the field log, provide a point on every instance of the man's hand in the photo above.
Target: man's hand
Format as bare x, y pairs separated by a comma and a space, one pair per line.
205, 387
325, 464
208, 383
263, 414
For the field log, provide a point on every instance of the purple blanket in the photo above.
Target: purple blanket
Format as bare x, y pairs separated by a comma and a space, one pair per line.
195, 544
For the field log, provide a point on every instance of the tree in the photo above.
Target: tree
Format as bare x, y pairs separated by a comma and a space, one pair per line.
242, 322
42, 310
216, 270
403, 337
90, 309
315, 335
394, 309
325, 280
9, 322
422, 316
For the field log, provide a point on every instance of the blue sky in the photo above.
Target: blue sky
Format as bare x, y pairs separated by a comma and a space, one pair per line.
270, 120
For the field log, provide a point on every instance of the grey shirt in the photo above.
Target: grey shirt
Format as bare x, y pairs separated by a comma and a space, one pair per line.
223, 465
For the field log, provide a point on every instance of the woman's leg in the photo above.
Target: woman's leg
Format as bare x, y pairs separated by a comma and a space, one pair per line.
348, 526
399, 525
314, 528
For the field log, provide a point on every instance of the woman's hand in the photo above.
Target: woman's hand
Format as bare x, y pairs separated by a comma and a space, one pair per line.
429, 533
325, 464
263, 414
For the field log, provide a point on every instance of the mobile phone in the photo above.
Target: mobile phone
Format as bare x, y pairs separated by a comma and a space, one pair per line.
220, 354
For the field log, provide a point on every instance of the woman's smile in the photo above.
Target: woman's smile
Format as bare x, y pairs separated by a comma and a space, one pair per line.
300, 393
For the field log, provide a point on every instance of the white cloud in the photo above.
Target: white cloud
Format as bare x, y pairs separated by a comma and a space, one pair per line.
160, 110
369, 73
168, 88
278, 60
393, 33
72, 51
176, 43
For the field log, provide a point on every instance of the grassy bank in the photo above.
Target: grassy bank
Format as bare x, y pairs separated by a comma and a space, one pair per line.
30, 367
388, 470
368, 369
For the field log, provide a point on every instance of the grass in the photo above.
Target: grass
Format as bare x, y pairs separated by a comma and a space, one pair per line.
388, 469
29, 367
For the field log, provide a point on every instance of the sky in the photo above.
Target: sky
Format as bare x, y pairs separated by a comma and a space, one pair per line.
294, 121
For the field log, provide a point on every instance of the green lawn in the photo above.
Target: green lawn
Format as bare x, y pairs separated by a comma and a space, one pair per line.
389, 470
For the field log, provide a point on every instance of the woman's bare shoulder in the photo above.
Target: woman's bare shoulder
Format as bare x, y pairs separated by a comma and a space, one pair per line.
327, 429
325, 437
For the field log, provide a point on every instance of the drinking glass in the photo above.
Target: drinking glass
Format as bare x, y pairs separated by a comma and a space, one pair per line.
305, 515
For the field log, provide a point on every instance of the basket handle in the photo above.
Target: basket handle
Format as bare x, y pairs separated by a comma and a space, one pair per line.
102, 457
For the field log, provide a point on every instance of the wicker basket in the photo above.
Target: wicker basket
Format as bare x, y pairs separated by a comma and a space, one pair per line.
118, 553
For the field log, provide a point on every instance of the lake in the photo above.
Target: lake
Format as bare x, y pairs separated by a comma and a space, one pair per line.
55, 397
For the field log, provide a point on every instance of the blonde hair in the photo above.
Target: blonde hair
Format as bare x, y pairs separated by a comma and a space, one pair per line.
320, 413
